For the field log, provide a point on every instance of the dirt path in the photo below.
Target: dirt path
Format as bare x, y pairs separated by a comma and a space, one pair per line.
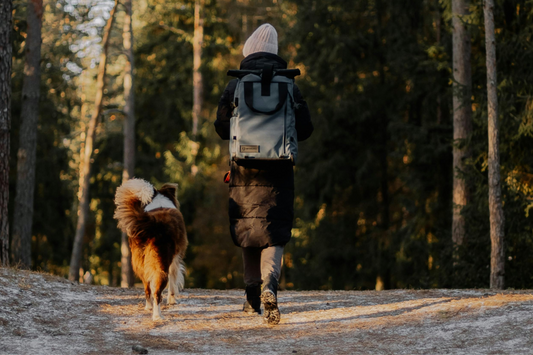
44, 314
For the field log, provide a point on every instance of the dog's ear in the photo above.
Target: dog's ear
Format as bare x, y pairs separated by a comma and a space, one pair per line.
170, 190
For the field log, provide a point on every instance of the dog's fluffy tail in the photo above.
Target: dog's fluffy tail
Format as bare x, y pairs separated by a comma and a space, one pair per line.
130, 198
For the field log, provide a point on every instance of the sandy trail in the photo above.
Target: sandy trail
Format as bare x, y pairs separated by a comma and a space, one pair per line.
44, 314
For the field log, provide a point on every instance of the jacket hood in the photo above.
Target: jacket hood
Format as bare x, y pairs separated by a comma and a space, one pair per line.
259, 59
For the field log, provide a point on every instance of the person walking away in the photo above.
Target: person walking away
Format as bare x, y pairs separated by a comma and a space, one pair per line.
261, 194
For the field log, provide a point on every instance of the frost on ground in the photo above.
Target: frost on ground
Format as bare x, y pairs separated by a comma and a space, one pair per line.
44, 314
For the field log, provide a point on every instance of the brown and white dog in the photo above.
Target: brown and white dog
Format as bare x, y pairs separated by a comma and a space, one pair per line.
157, 238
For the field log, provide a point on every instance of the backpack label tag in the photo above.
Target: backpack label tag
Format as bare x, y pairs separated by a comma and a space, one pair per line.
249, 149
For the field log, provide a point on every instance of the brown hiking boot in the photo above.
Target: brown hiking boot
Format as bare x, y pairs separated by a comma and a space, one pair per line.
270, 302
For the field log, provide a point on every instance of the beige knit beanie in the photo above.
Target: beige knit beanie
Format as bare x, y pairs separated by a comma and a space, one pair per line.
264, 39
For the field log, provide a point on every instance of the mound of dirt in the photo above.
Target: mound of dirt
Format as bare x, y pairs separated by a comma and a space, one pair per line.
45, 314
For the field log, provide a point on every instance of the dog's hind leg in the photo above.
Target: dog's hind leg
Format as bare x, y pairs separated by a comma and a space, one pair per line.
180, 283
176, 279
147, 293
158, 284
172, 286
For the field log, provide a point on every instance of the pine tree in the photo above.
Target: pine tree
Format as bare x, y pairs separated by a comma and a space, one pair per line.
129, 134
497, 260
5, 124
85, 168
462, 114
197, 62
23, 213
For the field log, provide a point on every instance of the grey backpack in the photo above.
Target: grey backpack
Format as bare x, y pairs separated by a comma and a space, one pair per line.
263, 125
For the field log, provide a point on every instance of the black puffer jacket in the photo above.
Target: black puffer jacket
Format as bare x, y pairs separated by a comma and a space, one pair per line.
261, 194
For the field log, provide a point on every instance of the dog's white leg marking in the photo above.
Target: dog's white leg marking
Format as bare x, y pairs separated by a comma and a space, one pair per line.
180, 282
156, 315
173, 280
172, 284
148, 306
148, 295
171, 299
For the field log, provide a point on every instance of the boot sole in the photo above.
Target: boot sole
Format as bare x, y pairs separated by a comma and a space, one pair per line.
272, 314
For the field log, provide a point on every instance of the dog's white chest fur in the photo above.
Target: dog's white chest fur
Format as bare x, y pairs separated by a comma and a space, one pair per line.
159, 201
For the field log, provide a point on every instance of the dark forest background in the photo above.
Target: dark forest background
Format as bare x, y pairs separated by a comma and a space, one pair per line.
374, 182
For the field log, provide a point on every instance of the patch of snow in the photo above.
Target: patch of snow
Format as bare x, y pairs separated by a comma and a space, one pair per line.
44, 314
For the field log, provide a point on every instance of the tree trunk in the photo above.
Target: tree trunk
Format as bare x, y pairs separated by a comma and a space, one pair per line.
85, 167
438, 23
462, 114
197, 62
23, 214
129, 135
5, 124
497, 259
383, 280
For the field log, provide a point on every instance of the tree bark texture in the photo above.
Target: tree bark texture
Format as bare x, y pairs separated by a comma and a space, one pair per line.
85, 167
197, 62
129, 134
462, 114
23, 213
438, 22
5, 123
497, 259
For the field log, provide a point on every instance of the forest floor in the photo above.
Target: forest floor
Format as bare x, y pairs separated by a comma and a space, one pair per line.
45, 314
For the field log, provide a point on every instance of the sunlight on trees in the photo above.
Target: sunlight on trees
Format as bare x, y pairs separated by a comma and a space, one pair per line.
375, 182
